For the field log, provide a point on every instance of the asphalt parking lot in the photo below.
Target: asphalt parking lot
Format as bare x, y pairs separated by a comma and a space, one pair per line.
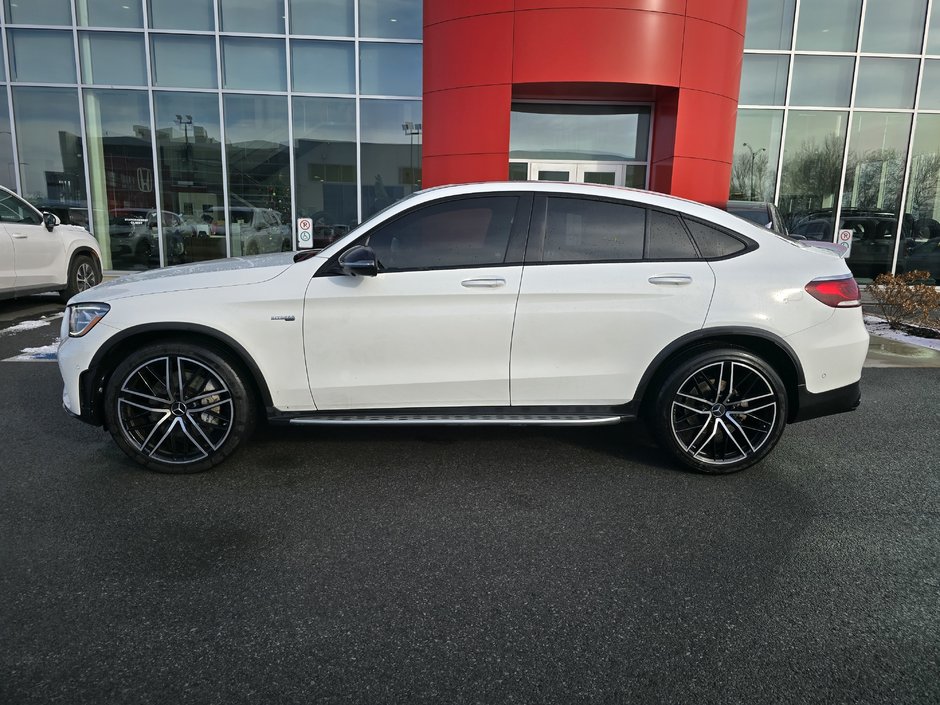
468, 565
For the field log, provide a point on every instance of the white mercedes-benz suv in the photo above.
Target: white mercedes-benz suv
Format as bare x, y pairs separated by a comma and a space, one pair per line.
38, 253
498, 303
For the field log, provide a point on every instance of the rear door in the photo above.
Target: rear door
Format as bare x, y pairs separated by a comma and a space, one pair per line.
606, 286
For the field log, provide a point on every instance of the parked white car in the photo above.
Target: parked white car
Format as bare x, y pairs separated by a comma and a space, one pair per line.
38, 253
502, 303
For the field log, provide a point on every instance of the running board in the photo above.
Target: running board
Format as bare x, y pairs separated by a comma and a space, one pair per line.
456, 420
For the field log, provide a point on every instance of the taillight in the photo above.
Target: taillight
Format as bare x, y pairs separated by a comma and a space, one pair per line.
838, 293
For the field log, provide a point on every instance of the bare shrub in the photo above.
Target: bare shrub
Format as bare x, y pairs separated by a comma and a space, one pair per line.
906, 299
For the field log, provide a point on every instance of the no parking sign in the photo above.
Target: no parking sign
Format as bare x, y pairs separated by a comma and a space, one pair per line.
845, 241
304, 233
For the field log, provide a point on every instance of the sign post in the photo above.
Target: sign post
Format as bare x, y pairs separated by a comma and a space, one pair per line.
304, 233
845, 242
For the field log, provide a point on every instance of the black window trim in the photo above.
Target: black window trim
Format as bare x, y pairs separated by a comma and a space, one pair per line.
515, 247
749, 244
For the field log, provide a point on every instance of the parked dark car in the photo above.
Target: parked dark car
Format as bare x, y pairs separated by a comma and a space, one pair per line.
761, 212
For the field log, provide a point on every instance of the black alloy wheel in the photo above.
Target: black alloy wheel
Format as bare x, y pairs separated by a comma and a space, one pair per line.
720, 410
178, 407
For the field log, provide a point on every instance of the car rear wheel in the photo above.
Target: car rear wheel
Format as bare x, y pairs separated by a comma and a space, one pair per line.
179, 407
82, 275
720, 410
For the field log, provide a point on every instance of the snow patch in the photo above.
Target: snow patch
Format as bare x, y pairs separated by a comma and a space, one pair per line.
878, 326
24, 326
46, 353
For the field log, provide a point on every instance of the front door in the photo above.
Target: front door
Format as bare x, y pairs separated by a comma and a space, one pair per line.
607, 173
37, 253
434, 327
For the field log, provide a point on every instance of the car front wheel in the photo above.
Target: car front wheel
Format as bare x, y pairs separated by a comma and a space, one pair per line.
82, 275
179, 407
720, 410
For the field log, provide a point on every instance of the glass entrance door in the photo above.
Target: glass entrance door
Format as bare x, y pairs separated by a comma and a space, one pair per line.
608, 173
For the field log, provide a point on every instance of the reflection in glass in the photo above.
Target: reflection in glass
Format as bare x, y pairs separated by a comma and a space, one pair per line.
391, 152
871, 197
113, 58
894, 26
51, 12
325, 161
764, 79
829, 25
48, 137
756, 155
41, 56
255, 16
184, 61
920, 245
323, 67
120, 168
769, 24
886, 83
518, 171
930, 86
258, 155
395, 19
822, 80
322, 17
7, 164
595, 133
107, 13
933, 30
189, 159
182, 14
253, 64
812, 170
390, 69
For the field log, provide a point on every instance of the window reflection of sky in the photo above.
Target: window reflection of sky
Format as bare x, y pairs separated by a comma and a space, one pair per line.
586, 132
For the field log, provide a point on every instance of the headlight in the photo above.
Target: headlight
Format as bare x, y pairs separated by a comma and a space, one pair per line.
84, 317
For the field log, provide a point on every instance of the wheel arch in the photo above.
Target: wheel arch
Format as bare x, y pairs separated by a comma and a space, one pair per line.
88, 252
95, 379
769, 347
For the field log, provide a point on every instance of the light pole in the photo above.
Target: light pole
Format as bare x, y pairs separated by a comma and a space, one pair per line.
750, 169
185, 123
411, 129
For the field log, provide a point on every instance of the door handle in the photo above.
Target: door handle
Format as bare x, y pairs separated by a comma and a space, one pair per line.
19, 237
483, 283
671, 279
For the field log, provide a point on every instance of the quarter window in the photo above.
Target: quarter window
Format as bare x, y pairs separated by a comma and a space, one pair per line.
13, 210
714, 243
668, 239
582, 230
471, 232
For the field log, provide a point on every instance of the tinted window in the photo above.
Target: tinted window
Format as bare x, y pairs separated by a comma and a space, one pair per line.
668, 239
579, 230
13, 210
713, 243
461, 233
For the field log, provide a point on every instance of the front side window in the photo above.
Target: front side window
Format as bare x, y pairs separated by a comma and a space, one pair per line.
470, 232
14, 210
583, 230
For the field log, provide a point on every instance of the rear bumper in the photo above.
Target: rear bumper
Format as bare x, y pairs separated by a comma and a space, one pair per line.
835, 401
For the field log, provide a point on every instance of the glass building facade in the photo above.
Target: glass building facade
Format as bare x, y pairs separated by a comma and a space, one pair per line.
839, 124
185, 130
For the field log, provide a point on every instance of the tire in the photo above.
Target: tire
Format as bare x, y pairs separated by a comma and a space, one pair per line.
179, 407
720, 410
82, 275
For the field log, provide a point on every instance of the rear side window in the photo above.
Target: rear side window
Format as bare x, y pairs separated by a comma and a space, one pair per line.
582, 230
668, 239
714, 243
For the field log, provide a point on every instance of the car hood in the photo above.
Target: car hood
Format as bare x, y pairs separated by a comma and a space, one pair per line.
235, 271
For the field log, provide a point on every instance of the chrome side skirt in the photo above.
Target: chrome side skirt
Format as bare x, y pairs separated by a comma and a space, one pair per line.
456, 420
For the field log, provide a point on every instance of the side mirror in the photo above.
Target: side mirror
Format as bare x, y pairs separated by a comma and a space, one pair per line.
50, 220
359, 261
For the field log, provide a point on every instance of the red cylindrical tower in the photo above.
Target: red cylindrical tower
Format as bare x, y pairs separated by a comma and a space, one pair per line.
684, 56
